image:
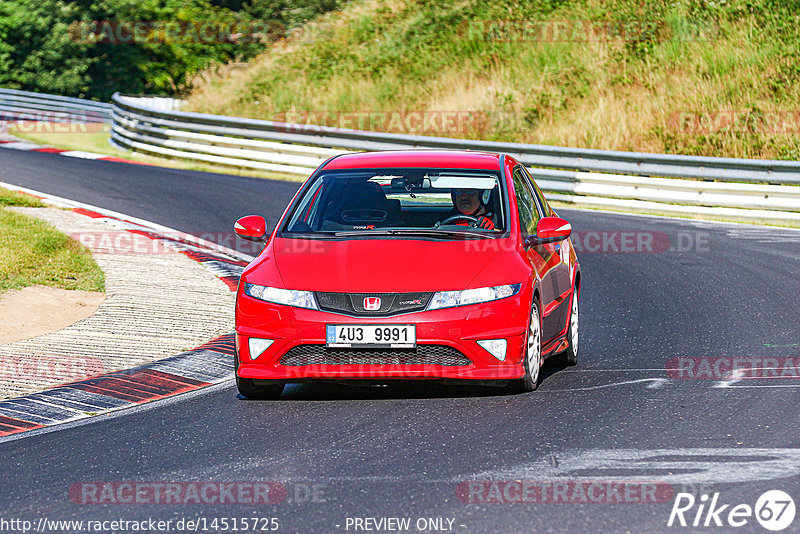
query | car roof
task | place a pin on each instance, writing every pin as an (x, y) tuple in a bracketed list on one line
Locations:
[(447, 159)]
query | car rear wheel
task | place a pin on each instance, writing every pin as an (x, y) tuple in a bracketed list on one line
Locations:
[(533, 350), (571, 354), (249, 390)]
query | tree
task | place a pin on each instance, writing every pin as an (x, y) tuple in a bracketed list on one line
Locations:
[(36, 50)]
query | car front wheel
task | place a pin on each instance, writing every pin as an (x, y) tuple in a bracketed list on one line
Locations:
[(249, 390), (533, 350), (571, 354)]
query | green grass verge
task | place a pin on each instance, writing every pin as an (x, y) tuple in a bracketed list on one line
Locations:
[(32, 252), (12, 198)]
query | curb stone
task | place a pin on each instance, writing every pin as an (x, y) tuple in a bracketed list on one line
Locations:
[(208, 364)]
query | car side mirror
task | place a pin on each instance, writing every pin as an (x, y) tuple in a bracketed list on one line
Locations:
[(251, 227), (550, 230)]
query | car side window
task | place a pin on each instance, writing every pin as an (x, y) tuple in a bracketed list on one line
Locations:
[(528, 214), (538, 192)]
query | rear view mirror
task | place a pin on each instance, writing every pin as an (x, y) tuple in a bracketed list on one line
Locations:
[(411, 185), (251, 227)]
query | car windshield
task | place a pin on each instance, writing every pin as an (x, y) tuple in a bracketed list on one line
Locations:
[(446, 203)]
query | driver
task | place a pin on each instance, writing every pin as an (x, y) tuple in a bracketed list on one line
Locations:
[(469, 202)]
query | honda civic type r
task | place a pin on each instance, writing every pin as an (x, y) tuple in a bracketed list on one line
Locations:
[(439, 265)]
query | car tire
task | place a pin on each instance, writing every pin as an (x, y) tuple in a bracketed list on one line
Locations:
[(249, 390), (532, 360), (571, 354)]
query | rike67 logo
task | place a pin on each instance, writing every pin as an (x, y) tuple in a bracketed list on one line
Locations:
[(774, 510)]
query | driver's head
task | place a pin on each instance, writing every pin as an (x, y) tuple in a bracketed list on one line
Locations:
[(467, 201)]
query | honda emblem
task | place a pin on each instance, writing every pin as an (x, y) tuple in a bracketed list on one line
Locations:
[(372, 303)]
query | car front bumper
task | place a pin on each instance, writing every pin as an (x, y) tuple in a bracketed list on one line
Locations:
[(458, 328)]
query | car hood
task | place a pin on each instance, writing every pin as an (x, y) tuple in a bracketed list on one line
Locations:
[(385, 265)]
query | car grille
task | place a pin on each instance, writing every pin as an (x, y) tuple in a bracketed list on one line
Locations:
[(390, 303), (422, 355)]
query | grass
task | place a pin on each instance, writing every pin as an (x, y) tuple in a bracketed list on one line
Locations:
[(33, 253), (700, 78), (98, 142), (12, 198)]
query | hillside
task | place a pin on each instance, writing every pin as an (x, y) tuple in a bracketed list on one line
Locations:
[(693, 77)]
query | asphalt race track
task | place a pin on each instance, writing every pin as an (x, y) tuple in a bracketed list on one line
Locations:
[(674, 291)]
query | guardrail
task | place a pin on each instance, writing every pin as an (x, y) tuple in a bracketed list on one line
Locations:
[(754, 189), (27, 106), (743, 188)]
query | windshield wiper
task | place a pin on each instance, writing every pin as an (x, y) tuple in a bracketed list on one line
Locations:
[(428, 232), (439, 231), (311, 235)]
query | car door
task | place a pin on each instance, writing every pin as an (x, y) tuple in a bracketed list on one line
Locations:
[(542, 258), (560, 273)]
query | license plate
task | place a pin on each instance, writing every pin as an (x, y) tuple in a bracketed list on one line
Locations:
[(371, 335)]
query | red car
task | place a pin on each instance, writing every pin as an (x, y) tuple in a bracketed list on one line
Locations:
[(446, 265)]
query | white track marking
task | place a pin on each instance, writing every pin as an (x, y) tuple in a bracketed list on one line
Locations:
[(634, 370), (739, 375), (147, 225), (761, 386), (82, 155), (21, 145), (652, 383), (686, 466), (736, 376)]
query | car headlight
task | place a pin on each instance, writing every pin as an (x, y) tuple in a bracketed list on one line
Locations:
[(287, 297), (449, 299)]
